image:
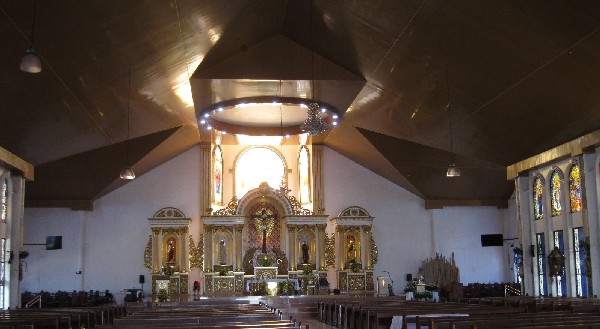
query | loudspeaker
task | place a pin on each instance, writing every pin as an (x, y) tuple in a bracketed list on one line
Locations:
[(142, 278), (409, 277), (532, 250)]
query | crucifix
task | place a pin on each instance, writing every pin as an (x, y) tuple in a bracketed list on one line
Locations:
[(264, 231)]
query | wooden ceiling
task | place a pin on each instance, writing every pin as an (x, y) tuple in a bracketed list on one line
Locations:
[(521, 77)]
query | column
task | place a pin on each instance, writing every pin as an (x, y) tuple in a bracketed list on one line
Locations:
[(208, 243), (184, 254), (367, 247), (292, 245), (317, 248), (363, 249), (16, 199), (340, 247), (156, 252), (205, 178), (317, 175), (321, 246), (238, 229)]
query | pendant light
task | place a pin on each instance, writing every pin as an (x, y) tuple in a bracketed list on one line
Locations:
[(127, 172), (314, 124), (31, 62), (452, 171)]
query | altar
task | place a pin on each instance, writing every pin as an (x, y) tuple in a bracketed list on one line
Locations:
[(266, 235)]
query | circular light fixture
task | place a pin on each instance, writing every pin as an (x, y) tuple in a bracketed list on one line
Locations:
[(264, 115)]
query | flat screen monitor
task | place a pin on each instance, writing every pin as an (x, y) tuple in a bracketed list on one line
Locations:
[(491, 240), (54, 242)]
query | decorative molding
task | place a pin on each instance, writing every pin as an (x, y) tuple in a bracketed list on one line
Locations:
[(169, 213), (330, 250), (265, 191), (374, 250), (197, 253), (230, 209), (148, 254), (354, 216)]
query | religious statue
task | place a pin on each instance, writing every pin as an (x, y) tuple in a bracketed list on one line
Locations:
[(305, 256), (171, 251), (222, 253)]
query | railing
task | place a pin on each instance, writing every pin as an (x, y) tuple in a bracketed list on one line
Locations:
[(37, 299), (511, 291)]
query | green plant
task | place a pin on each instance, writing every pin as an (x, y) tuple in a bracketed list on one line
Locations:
[(423, 294), (410, 287), (432, 287), (162, 295)]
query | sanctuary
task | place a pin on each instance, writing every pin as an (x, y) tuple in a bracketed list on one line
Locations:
[(268, 235)]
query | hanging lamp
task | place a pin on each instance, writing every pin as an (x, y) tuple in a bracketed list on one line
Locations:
[(452, 171), (127, 171), (314, 123), (31, 62)]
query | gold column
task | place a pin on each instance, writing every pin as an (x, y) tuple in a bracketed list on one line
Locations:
[(366, 250), (205, 178), (341, 247), (238, 246), (156, 252), (292, 255), (208, 243), (321, 246), (184, 254), (317, 175)]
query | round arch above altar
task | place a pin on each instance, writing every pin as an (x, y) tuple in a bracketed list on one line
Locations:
[(264, 192)]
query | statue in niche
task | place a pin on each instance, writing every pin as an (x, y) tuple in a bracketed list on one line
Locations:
[(305, 255), (351, 252), (171, 251), (222, 253)]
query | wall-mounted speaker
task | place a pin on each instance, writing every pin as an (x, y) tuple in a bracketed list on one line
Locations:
[(409, 277), (142, 278)]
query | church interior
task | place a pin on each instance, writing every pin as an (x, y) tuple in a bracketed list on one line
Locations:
[(207, 148)]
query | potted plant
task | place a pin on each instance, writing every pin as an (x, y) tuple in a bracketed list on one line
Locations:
[(410, 290)]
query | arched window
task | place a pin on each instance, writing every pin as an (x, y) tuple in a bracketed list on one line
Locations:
[(538, 205), (4, 200), (304, 174), (555, 192), (218, 175), (575, 188), (256, 165)]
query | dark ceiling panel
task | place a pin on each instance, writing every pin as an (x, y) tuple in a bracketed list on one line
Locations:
[(522, 78), (85, 175)]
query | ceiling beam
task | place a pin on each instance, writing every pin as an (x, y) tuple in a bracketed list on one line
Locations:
[(569, 149)]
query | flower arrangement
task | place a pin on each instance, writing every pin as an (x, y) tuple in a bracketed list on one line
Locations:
[(423, 294), (162, 295), (286, 288), (410, 287)]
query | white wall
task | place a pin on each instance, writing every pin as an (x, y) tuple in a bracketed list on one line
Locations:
[(107, 244), (112, 237), (406, 233)]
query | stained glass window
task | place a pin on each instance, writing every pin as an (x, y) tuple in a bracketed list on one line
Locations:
[(4, 208), (256, 165), (541, 264), (538, 205), (575, 188), (304, 173), (3, 286), (555, 192), (579, 253), (218, 175), (561, 280)]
